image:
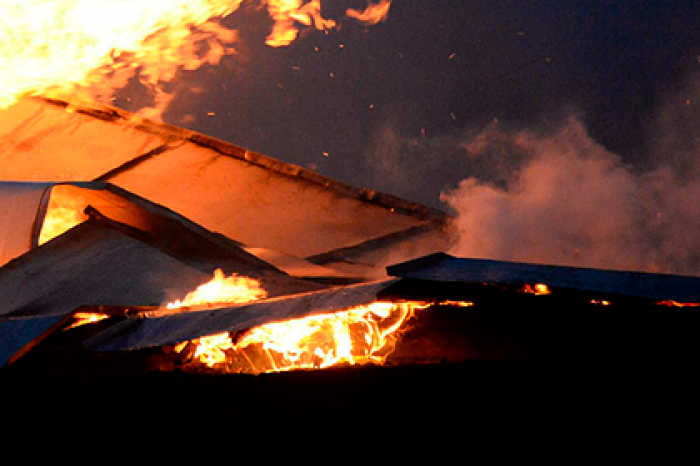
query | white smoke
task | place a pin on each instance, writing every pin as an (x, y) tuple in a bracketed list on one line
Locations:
[(572, 202), (552, 194)]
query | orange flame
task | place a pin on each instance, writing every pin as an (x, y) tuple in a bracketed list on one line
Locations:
[(538, 289), (84, 318), (286, 12), (55, 47), (62, 213), (355, 336), (374, 13), (91, 48), (222, 290), (360, 335), (672, 303)]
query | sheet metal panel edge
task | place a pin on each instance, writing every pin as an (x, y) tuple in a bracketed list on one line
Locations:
[(446, 268), (18, 333), (144, 332)]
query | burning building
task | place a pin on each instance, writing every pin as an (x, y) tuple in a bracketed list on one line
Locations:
[(135, 254), (110, 256)]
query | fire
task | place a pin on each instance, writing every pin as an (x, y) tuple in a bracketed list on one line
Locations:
[(360, 335), (538, 289), (456, 303), (84, 318), (672, 303), (92, 48), (62, 213), (374, 13), (55, 47), (287, 12), (222, 290)]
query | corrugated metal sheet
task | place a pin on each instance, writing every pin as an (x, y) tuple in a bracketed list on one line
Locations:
[(17, 334), (19, 208), (246, 196), (93, 264), (445, 268), (143, 331)]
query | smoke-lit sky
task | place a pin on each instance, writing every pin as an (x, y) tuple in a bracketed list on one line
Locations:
[(390, 106)]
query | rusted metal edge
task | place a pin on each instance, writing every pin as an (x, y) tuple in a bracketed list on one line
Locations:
[(171, 134)]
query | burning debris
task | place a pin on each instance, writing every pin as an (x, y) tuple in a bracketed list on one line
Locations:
[(89, 267), (361, 335), (113, 258)]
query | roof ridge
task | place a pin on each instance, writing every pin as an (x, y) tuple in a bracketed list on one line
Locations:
[(170, 134)]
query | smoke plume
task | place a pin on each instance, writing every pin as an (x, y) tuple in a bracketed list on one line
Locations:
[(552, 194), (570, 201)]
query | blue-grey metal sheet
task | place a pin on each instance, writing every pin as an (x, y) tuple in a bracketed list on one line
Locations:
[(16, 333), (158, 330), (445, 268)]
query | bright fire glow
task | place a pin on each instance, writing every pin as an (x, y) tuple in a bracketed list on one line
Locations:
[(51, 47), (91, 48), (288, 12), (84, 318), (360, 335), (223, 290), (374, 13), (62, 213), (672, 303), (538, 289), (355, 336)]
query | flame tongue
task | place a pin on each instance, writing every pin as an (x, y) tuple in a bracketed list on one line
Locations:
[(373, 14), (360, 335), (222, 290), (58, 45), (95, 47), (287, 12)]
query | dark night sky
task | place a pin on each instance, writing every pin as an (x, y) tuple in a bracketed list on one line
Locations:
[(437, 71)]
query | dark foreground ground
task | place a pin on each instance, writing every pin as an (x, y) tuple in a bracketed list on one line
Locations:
[(496, 385), (598, 411)]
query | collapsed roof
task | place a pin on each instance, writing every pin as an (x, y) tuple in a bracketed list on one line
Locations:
[(153, 210), (103, 209), (246, 196)]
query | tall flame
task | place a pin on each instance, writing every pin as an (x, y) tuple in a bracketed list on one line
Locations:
[(60, 45), (91, 48)]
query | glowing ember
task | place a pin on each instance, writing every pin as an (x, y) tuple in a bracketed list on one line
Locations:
[(84, 318), (538, 289), (677, 304), (223, 290), (456, 303)]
